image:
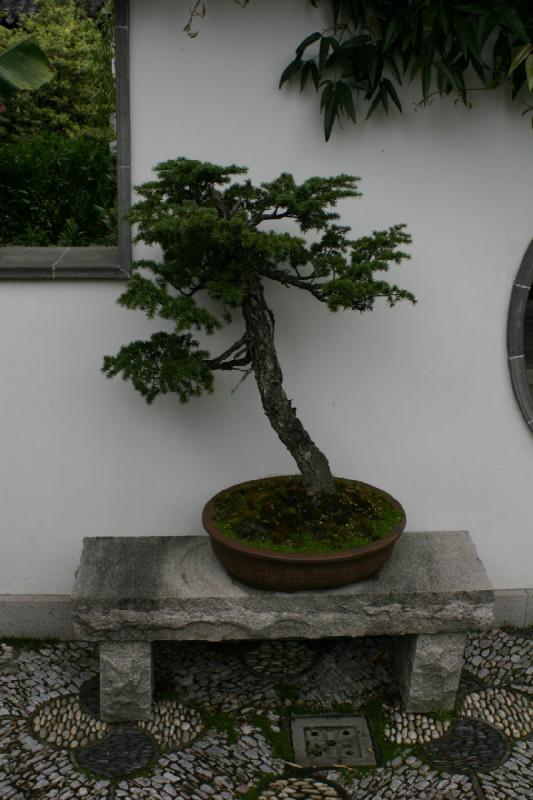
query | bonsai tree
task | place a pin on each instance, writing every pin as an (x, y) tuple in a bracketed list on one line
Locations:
[(217, 243)]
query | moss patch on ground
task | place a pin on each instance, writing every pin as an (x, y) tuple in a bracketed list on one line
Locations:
[(278, 514), (254, 792), (279, 741), (221, 722)]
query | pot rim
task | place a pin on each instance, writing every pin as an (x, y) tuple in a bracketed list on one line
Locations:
[(276, 555)]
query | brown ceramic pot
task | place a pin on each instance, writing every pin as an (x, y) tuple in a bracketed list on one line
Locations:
[(292, 572)]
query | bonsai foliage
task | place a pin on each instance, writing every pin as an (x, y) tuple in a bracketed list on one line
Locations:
[(217, 244), (373, 46)]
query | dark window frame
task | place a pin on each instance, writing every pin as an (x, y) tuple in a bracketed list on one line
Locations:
[(515, 335), (94, 263)]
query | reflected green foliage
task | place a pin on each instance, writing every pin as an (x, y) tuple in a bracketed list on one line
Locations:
[(57, 170), (57, 191), (79, 100)]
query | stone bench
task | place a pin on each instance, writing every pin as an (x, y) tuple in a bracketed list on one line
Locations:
[(130, 592)]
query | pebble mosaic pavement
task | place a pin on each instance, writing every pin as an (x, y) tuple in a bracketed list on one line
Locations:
[(222, 714)]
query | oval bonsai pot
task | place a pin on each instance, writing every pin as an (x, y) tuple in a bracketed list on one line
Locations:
[(292, 572)]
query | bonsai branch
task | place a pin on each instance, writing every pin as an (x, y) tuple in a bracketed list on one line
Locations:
[(258, 218), (291, 280), (236, 364), (239, 350), (219, 204), (191, 292)]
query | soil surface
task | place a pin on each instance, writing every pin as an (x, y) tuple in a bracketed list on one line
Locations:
[(278, 514)]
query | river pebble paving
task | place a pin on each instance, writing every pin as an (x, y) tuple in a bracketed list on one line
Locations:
[(221, 717), (403, 728), (501, 658)]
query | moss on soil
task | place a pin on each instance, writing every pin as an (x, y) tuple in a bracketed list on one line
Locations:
[(277, 514)]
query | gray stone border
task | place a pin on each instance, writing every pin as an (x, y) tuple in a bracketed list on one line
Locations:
[(122, 72), (515, 335), (36, 616), (514, 607), (89, 266)]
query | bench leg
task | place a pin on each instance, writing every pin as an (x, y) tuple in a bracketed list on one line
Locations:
[(428, 667), (125, 681)]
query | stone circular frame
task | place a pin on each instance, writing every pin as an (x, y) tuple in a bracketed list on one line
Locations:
[(515, 335)]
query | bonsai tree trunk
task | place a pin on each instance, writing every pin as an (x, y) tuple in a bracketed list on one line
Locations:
[(312, 463)]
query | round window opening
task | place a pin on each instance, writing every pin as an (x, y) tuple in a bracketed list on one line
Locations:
[(520, 336)]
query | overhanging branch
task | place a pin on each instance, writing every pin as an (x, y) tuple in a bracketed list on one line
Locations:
[(292, 280), (276, 214)]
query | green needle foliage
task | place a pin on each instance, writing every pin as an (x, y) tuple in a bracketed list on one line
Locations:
[(373, 46), (217, 245)]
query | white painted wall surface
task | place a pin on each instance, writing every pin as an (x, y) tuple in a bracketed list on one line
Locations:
[(416, 399)]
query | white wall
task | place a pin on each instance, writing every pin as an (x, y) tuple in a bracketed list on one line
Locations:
[(416, 400)]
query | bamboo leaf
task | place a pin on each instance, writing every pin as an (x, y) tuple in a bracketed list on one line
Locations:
[(304, 74), (337, 6), (326, 94), (442, 84), (391, 34), (391, 63), (374, 104), (313, 37), (315, 75), (501, 57), (529, 72), (290, 70), (462, 33), (480, 72), (443, 18), (384, 98), (417, 65), (330, 113), (443, 69), (521, 54), (390, 89), (510, 18), (346, 100), (323, 53)]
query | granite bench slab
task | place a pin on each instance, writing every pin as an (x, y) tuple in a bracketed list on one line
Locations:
[(130, 591)]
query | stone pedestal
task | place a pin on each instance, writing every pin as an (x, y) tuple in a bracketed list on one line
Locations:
[(125, 681), (130, 592), (428, 667)]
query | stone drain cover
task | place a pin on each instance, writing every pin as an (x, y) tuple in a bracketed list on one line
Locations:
[(331, 740)]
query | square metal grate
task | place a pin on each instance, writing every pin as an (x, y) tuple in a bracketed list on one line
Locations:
[(332, 740)]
